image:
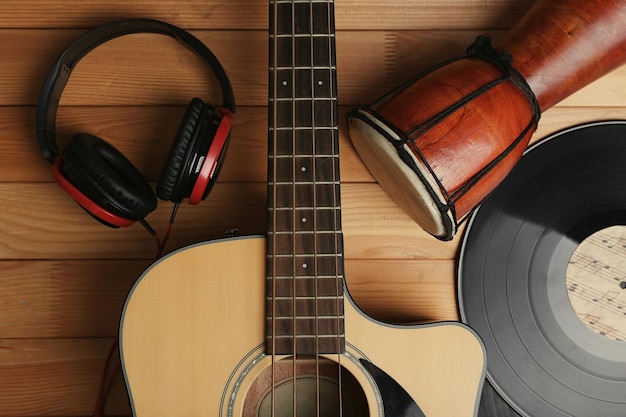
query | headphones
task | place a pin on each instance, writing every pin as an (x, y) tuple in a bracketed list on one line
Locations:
[(99, 177)]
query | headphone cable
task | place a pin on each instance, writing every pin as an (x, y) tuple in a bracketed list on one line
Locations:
[(161, 243), (109, 376)]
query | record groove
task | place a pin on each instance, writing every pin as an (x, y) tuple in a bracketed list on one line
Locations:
[(541, 358)]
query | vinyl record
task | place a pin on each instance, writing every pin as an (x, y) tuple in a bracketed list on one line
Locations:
[(548, 356), (492, 404)]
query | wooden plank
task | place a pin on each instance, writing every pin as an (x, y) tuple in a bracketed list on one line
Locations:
[(252, 14), (145, 134), (127, 72), (65, 299), (55, 377), (57, 228), (84, 298), (561, 117), (407, 291)]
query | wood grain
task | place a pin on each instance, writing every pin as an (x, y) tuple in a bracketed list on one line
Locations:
[(252, 14), (64, 277), (57, 228), (125, 72), (561, 47), (44, 299), (145, 133), (55, 377)]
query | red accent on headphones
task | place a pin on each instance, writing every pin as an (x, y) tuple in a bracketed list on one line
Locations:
[(85, 201), (209, 165)]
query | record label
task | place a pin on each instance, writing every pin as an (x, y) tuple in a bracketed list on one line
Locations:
[(596, 282), (527, 284)]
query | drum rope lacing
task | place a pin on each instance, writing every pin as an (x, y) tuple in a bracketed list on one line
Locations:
[(482, 49)]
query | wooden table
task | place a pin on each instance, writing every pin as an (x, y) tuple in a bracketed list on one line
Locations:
[(64, 277)]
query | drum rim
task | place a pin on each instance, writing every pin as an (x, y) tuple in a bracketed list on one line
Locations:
[(435, 217)]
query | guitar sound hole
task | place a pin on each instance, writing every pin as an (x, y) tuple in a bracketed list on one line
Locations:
[(316, 391)]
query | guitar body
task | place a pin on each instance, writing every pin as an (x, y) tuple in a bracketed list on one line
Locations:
[(263, 327), (192, 342)]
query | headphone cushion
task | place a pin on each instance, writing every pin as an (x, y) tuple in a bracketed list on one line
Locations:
[(170, 181), (107, 177)]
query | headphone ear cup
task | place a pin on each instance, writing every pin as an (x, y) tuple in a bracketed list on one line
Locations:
[(106, 177), (173, 180)]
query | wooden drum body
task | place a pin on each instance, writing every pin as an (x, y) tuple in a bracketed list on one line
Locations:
[(440, 143), (419, 150)]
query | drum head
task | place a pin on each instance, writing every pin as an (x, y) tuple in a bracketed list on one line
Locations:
[(549, 355), (415, 191)]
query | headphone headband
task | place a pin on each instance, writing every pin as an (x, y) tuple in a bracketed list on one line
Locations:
[(60, 71)]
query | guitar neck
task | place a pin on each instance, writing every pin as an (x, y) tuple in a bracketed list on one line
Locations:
[(305, 260)]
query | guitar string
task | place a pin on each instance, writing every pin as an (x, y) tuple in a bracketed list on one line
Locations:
[(315, 199), (334, 182), (273, 237), (315, 212), (294, 219), (293, 203), (339, 270)]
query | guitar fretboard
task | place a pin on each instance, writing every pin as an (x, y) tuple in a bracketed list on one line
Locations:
[(305, 262)]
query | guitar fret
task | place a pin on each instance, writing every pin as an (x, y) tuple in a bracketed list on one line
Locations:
[(288, 286), (290, 157), (303, 113), (304, 208), (288, 2), (304, 307), (313, 347), (305, 277), (306, 317), (305, 183), (306, 336), (305, 346), (325, 278), (302, 17), (305, 267), (301, 35), (315, 128), (318, 277), (319, 256), (306, 232), (300, 99), (308, 68), (305, 260), (304, 297), (301, 208), (315, 255), (287, 277)]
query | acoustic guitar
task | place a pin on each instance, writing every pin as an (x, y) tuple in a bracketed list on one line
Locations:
[(263, 326)]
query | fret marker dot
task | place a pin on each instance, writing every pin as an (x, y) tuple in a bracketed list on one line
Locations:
[(320, 82), (303, 220), (285, 82), (305, 266), (303, 169)]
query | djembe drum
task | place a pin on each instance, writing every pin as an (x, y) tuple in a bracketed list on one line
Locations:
[(441, 142)]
